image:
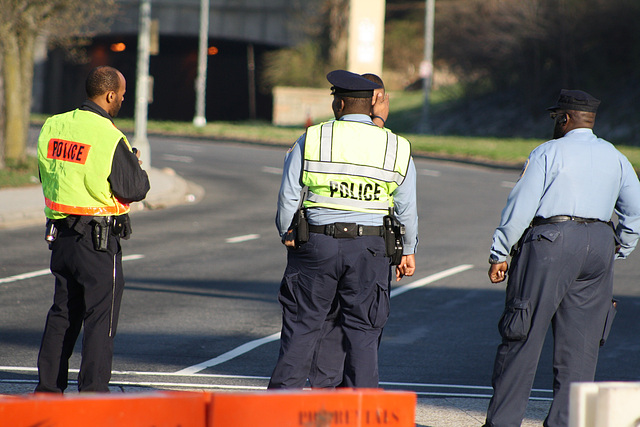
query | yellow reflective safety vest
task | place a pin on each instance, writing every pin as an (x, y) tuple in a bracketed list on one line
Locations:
[(75, 155), (353, 166)]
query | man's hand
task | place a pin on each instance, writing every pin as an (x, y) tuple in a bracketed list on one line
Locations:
[(498, 272), (406, 267), (137, 153), (380, 107), (289, 239)]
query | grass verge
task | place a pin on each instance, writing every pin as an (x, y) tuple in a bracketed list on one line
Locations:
[(406, 112), (20, 174)]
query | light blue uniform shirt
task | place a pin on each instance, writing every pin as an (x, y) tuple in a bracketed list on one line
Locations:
[(578, 175), (404, 197)]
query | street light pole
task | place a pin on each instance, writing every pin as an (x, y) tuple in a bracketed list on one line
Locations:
[(426, 68), (199, 119), (142, 84)]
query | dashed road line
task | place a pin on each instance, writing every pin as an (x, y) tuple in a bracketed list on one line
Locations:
[(46, 271)]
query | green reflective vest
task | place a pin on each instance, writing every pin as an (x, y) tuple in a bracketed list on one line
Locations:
[(353, 166), (75, 154)]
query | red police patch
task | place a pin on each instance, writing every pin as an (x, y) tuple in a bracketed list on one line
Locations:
[(68, 151)]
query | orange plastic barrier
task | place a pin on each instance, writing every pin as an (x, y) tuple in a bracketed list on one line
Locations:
[(316, 408), (158, 409)]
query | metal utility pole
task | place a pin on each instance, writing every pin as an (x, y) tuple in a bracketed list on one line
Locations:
[(426, 68), (142, 84), (199, 119)]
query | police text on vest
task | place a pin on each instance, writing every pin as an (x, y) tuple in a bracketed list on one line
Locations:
[(68, 151)]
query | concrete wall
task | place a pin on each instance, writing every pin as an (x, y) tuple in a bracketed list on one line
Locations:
[(274, 22), (294, 106)]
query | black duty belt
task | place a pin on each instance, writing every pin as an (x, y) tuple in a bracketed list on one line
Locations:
[(347, 230), (562, 218)]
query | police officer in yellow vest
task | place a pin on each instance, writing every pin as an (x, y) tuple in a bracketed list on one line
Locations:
[(353, 173), (89, 175)]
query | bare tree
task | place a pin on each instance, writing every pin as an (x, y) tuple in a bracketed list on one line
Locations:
[(538, 44), (337, 12), (1, 116), (323, 47), (21, 22)]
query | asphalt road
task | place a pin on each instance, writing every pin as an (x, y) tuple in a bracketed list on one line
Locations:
[(200, 307)]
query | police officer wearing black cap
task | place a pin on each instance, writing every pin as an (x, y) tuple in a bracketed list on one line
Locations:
[(557, 226), (353, 172)]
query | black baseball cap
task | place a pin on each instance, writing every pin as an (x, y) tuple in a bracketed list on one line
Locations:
[(576, 100)]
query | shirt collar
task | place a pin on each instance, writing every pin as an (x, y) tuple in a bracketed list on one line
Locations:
[(89, 105), (362, 118), (579, 130)]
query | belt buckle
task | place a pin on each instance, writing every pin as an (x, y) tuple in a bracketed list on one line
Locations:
[(330, 230)]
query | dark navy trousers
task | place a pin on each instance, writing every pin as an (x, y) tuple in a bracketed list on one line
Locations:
[(345, 278), (327, 367), (563, 276), (88, 291)]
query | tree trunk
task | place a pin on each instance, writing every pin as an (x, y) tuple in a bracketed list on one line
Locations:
[(1, 115), (338, 32), (27, 64), (18, 74), (13, 87)]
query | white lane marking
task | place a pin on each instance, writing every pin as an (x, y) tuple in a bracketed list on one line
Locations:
[(272, 170), (430, 279), (190, 386), (174, 158), (157, 384), (25, 276), (454, 386), (244, 348), (44, 272), (507, 184), (464, 395), (192, 148), (256, 343), (244, 238), (142, 373), (429, 172), (411, 386)]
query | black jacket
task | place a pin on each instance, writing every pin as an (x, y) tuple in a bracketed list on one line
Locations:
[(129, 182)]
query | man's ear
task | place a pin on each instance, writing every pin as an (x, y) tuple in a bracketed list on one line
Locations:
[(111, 96), (563, 120)]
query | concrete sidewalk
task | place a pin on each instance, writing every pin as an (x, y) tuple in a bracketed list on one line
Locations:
[(24, 206)]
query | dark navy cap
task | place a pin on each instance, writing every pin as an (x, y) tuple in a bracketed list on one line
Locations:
[(351, 85), (575, 100)]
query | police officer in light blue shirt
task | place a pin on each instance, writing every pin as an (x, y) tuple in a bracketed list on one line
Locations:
[(290, 188), (557, 224), (342, 268)]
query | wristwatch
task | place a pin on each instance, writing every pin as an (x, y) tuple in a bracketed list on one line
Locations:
[(493, 259)]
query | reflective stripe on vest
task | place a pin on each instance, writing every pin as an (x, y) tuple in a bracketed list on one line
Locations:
[(387, 174), (364, 185), (118, 209)]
